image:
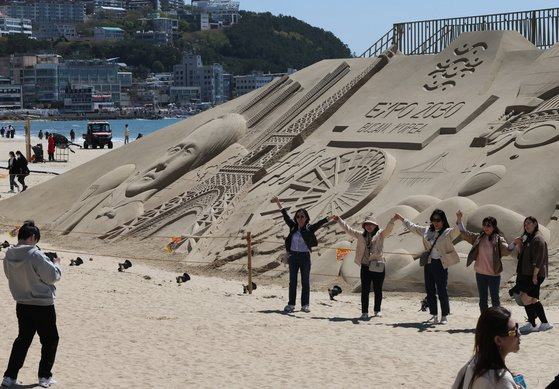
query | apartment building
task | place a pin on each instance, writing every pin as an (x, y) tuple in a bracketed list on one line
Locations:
[(46, 12), (9, 25), (192, 72), (220, 13)]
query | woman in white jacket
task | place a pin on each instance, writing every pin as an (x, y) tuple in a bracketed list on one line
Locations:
[(497, 335), (437, 241), (369, 256)]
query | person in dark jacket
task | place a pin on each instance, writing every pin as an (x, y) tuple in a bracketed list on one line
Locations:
[(299, 244), (72, 135), (531, 272), (22, 169), (40, 134), (13, 171)]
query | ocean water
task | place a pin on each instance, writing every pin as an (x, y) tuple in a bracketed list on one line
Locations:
[(136, 126)]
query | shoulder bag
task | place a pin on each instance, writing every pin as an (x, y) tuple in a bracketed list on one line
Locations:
[(424, 257)]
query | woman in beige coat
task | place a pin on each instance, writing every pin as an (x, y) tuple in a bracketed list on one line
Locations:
[(369, 256), (437, 241)]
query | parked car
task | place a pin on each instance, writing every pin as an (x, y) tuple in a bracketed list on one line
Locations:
[(98, 134)]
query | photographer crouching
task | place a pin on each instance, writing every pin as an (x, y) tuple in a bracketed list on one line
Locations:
[(31, 276)]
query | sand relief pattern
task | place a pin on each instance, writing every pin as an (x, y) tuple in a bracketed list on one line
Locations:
[(339, 185), (526, 130), (232, 179), (463, 62)]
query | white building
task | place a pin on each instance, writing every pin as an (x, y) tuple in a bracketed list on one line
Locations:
[(10, 95), (10, 25), (222, 13)]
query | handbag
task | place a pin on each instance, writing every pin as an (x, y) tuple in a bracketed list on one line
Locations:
[(424, 257), (376, 266)]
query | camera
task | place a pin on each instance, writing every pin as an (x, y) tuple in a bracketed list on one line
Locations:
[(51, 255)]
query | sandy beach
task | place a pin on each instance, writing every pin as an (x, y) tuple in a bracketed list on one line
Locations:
[(140, 329), (41, 172)]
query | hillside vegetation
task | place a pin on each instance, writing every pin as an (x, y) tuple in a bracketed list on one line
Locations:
[(260, 41)]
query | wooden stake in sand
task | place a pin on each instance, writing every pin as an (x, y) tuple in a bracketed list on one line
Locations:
[(27, 139), (249, 248)]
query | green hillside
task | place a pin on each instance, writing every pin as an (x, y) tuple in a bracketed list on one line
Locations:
[(260, 41)]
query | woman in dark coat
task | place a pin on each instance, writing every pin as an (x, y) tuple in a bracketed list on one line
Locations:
[(22, 169), (13, 171), (299, 245), (531, 272)]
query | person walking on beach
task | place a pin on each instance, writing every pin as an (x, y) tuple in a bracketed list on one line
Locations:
[(531, 272), (40, 135), (2, 131), (369, 257), (51, 147), (126, 134), (13, 171), (72, 135), (440, 254), (22, 169), (31, 277), (299, 244), (488, 247), (497, 335), (12, 131)]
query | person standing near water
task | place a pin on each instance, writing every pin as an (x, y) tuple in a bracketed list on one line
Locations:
[(126, 134)]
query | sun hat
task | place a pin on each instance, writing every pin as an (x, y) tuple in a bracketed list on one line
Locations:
[(369, 220)]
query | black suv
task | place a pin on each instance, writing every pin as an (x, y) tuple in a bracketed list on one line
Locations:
[(98, 134)]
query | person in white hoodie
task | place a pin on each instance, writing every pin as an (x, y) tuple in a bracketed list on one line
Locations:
[(31, 276)]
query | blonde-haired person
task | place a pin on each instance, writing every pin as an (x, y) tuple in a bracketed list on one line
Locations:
[(488, 247), (437, 240), (369, 256)]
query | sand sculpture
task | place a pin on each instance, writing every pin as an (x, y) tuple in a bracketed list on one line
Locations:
[(473, 128)]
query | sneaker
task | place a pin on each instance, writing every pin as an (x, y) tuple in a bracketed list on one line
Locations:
[(364, 316), (289, 308), (8, 382), (433, 320), (545, 326), (444, 320), (527, 328), (45, 382), (305, 308), (378, 314)]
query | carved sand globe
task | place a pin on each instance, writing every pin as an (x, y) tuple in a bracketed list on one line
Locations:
[(340, 184)]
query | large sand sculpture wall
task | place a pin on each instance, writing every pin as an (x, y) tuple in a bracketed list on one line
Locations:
[(473, 128)]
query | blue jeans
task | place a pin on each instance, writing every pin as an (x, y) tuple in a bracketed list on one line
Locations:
[(484, 283), (299, 260), (436, 282)]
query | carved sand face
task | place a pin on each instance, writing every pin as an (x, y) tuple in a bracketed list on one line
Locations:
[(199, 147)]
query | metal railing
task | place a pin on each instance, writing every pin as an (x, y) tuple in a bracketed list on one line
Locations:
[(541, 27)]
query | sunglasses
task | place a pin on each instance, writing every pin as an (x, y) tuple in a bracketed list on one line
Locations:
[(436, 220), (514, 331), (487, 225), (300, 216)]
